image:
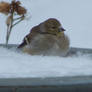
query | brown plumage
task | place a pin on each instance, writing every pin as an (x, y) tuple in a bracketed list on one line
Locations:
[(47, 38)]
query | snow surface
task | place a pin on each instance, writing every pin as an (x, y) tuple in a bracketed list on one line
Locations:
[(16, 64), (76, 18)]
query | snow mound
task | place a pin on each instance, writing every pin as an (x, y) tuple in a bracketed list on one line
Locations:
[(16, 64)]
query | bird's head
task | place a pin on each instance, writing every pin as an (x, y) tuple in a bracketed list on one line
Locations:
[(53, 26)]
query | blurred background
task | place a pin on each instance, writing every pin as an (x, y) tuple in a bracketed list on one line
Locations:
[(74, 15)]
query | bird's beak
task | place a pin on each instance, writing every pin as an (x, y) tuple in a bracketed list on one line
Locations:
[(62, 29)]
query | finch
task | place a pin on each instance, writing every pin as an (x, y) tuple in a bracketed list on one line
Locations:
[(47, 38)]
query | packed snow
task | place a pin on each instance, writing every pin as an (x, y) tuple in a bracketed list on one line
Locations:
[(76, 18), (17, 64)]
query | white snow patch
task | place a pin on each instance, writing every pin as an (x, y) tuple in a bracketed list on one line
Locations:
[(16, 64)]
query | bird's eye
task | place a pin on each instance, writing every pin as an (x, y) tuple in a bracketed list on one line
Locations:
[(53, 27)]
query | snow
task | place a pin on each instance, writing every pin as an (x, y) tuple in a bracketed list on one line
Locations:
[(76, 18), (16, 64)]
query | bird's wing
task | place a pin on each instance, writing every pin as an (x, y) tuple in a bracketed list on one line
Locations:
[(27, 39)]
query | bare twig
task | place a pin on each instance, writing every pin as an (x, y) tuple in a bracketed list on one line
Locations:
[(17, 22), (21, 17), (10, 27), (7, 34), (11, 9)]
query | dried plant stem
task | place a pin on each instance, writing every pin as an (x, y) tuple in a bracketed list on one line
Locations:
[(19, 20), (15, 8), (9, 28), (7, 35)]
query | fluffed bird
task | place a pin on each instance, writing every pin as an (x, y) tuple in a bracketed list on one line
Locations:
[(47, 38)]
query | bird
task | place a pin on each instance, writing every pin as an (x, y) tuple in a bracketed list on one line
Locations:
[(47, 38)]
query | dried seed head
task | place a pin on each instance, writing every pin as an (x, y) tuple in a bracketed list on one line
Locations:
[(21, 10), (18, 2), (4, 8), (17, 8), (7, 8)]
